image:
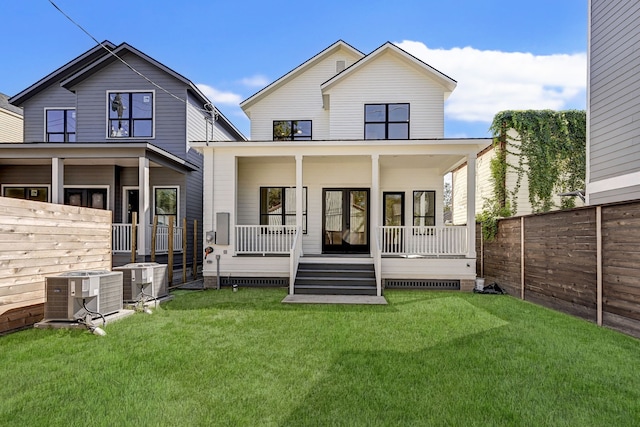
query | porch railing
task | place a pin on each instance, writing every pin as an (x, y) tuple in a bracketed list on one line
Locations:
[(294, 258), (430, 241), (377, 263), (121, 240), (265, 239)]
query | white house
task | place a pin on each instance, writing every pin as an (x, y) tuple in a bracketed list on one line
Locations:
[(342, 177)]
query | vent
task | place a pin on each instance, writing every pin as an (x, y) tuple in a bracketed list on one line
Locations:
[(273, 282), (340, 66), (422, 284)]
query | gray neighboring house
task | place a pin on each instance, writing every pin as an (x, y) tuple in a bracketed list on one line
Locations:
[(613, 106), (97, 134)]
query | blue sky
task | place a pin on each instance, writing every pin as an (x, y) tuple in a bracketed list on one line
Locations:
[(503, 54)]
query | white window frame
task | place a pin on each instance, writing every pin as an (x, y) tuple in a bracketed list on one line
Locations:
[(126, 188)]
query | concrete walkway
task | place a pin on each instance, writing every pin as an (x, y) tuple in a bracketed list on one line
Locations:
[(334, 299)]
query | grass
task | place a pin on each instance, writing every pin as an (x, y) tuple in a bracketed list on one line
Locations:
[(223, 358)]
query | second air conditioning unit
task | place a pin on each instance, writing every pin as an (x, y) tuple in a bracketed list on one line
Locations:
[(144, 280)]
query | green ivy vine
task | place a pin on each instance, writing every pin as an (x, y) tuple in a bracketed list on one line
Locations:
[(549, 148)]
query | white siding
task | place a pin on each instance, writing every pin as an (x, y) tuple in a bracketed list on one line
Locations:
[(10, 127), (387, 79), (298, 99)]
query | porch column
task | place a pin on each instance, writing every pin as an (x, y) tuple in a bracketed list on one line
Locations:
[(471, 205), (374, 209), (299, 194), (144, 209), (57, 180)]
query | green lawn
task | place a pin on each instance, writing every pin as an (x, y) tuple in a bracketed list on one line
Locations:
[(224, 358)]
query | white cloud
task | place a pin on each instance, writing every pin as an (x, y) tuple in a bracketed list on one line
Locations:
[(491, 81), (257, 81), (220, 97)]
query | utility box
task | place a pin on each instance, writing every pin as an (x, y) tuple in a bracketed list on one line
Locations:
[(222, 228), (142, 279)]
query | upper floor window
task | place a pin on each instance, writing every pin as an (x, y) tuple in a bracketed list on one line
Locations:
[(130, 114), (292, 130), (61, 124), (386, 121)]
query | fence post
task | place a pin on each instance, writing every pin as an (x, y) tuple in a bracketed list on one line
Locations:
[(522, 257), (170, 256), (195, 249), (134, 235), (599, 264), (154, 233), (184, 250)]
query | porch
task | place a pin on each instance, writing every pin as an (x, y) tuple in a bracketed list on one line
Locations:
[(121, 240)]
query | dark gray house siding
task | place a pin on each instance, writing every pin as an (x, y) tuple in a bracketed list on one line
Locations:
[(614, 130)]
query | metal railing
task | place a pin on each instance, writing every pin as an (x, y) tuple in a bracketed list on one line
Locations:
[(121, 238), (431, 241), (264, 239)]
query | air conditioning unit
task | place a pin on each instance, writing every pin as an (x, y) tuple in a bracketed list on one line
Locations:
[(143, 279), (67, 295)]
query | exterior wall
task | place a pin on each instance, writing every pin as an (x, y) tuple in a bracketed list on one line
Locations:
[(298, 99), (34, 111), (484, 187), (386, 79), (11, 126), (444, 269), (613, 149), (169, 117)]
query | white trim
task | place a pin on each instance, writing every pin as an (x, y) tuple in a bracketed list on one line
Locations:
[(614, 183), (153, 116), (85, 187), (48, 186), (44, 122), (588, 118), (126, 188)]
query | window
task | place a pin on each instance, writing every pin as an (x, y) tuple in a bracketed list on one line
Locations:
[(61, 125), (278, 206), (386, 121), (40, 194), (292, 130), (95, 198), (130, 114), (393, 208), (165, 202), (424, 208)]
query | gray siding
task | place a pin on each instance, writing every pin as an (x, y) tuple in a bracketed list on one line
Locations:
[(34, 119), (614, 83), (627, 193), (169, 113), (37, 174)]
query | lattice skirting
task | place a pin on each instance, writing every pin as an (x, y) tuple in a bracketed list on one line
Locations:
[(422, 284)]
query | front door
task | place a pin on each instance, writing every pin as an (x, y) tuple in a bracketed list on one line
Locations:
[(131, 200), (345, 223)]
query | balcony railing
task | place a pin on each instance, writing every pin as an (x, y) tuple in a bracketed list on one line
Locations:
[(264, 239), (427, 241), (121, 241)]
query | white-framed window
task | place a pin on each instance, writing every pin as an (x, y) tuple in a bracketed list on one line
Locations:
[(87, 196), (166, 203), (37, 192), (130, 114), (60, 124)]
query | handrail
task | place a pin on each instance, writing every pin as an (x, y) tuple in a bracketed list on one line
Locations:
[(264, 239), (294, 259), (377, 263), (121, 238)]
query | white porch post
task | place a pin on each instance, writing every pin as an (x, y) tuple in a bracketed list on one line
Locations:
[(374, 210), (144, 209), (57, 180), (299, 195), (471, 205)]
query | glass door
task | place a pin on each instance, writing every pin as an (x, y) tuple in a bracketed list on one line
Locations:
[(393, 217), (346, 221)]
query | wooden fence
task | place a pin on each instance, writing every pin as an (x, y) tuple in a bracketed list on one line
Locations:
[(584, 261), (44, 239)]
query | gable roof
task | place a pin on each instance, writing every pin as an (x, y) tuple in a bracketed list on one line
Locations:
[(299, 70), (445, 81), (70, 67), (4, 104)]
